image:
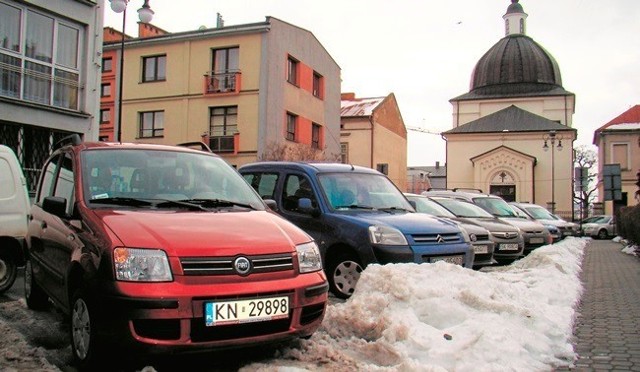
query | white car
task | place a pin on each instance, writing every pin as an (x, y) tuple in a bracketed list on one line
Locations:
[(600, 226)]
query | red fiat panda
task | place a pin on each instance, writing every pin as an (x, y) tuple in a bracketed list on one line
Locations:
[(165, 248)]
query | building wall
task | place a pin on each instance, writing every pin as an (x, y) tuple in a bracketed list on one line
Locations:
[(606, 155), (559, 108), (462, 148), (356, 133), (390, 141), (284, 40)]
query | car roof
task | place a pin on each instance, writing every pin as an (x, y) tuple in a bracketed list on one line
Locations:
[(460, 194), (136, 146), (311, 168)]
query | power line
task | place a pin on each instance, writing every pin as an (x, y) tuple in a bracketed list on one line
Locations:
[(422, 130)]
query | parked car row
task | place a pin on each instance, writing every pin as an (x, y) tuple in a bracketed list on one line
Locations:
[(152, 247)]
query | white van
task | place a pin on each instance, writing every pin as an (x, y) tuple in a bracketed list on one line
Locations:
[(14, 214)]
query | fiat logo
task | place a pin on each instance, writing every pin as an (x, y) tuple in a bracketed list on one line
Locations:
[(242, 265)]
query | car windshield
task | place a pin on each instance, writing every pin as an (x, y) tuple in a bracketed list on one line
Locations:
[(597, 219), (463, 209), (496, 206), (362, 191), (520, 212), (163, 179), (539, 213), (425, 205)]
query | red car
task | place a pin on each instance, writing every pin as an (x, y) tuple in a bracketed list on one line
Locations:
[(165, 248)]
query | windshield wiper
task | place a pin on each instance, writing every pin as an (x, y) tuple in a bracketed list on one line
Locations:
[(134, 202), (392, 209), (213, 203), (354, 206)]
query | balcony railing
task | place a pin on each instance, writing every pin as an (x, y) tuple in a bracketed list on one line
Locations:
[(222, 143), (222, 82)]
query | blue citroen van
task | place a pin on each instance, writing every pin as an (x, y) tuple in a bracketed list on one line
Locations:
[(357, 216)]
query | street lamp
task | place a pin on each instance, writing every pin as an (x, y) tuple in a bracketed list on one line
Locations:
[(550, 142), (145, 14)]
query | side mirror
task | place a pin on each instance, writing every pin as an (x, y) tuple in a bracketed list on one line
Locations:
[(271, 204), (55, 205), (413, 204), (305, 206)]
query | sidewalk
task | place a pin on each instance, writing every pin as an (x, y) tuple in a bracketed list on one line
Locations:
[(607, 330)]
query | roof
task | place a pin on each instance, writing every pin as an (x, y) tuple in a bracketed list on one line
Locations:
[(439, 171), (307, 167), (628, 120), (515, 7), (516, 66), (510, 119), (360, 106)]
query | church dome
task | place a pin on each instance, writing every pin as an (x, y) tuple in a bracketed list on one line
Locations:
[(518, 65)]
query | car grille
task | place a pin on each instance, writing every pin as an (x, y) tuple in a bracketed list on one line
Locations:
[(436, 238), (201, 333), (505, 234), (482, 237), (224, 265)]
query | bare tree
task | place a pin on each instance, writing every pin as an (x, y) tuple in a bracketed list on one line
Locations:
[(586, 157), (295, 152)]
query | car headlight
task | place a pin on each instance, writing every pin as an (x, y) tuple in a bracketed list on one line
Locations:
[(386, 235), (466, 236), (141, 265), (552, 229), (309, 259)]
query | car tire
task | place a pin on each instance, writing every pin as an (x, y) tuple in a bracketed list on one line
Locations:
[(33, 294), (86, 345), (8, 270), (343, 272), (603, 234)]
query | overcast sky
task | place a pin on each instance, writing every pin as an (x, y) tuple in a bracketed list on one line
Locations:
[(424, 51)]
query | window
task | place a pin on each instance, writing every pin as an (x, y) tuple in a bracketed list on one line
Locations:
[(39, 57), (154, 68), (107, 64), (64, 182), (317, 85), (223, 125), (292, 71), (297, 187), (46, 184), (223, 75), (263, 183), (344, 153), (383, 168), (291, 127), (315, 135), (105, 90), (151, 124), (105, 115)]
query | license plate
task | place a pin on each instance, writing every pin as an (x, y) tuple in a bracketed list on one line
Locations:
[(567, 233), (478, 249), (536, 240), (509, 247), (457, 260), (246, 311)]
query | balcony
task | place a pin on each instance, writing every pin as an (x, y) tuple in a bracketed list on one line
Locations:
[(222, 82), (224, 144)]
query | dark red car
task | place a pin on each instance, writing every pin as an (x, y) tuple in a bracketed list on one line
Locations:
[(165, 249)]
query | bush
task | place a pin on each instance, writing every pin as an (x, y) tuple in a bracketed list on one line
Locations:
[(627, 222)]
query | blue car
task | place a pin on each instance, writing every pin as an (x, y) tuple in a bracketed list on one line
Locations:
[(357, 216)]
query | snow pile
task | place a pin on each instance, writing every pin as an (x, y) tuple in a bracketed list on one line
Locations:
[(17, 355), (440, 317), (627, 248)]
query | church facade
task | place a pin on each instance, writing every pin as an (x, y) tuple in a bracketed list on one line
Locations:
[(512, 132)]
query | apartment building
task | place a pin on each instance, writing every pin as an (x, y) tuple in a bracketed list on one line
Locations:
[(49, 75), (246, 90)]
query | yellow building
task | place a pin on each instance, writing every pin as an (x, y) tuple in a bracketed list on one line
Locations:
[(373, 135), (618, 142), (512, 132), (245, 90)]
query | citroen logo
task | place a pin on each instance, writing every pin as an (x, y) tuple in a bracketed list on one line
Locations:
[(242, 265), (439, 239)]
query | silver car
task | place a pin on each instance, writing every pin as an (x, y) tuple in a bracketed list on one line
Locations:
[(600, 226)]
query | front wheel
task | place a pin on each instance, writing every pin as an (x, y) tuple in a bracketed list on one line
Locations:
[(34, 295), (343, 272), (603, 234), (85, 342), (8, 270)]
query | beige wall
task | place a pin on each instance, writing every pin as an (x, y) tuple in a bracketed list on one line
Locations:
[(553, 108), (534, 187), (606, 155)]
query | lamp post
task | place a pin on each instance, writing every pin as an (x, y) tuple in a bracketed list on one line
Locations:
[(550, 140), (145, 14)]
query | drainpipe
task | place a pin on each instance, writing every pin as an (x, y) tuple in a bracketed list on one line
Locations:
[(372, 126)]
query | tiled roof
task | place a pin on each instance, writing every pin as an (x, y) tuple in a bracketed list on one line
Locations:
[(628, 120), (510, 119)]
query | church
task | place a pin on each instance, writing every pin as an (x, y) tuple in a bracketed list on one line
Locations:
[(512, 132)]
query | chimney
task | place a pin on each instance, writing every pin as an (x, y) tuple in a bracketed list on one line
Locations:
[(437, 165), (348, 96), (219, 21)]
